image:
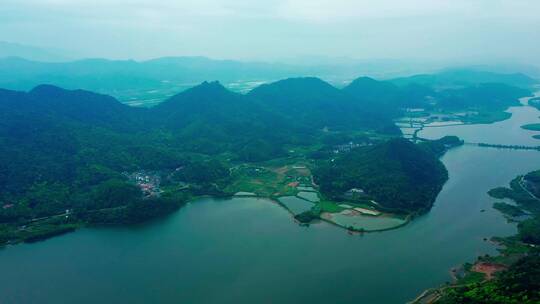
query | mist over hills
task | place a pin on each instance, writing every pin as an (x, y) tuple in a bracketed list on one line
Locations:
[(103, 74), (9, 49), (147, 83), (452, 78)]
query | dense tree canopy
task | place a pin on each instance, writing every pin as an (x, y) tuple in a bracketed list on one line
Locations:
[(398, 174)]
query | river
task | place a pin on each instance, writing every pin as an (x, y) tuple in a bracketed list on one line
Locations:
[(249, 250)]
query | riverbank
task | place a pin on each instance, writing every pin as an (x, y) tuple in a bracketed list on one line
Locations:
[(479, 282), (420, 121), (509, 136), (288, 181), (249, 241), (306, 204), (412, 126)]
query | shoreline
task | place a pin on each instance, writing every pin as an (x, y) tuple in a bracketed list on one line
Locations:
[(407, 220)]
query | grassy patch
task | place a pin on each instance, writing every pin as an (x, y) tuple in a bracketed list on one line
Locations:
[(508, 209), (270, 181), (486, 117), (328, 206)]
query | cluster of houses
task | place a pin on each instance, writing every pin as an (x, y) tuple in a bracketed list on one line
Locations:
[(353, 193), (148, 182), (343, 148)]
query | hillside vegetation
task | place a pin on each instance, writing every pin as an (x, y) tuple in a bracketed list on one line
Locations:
[(399, 175), (72, 156)]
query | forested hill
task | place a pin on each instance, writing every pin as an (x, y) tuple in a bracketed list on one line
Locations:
[(51, 134), (211, 119), (318, 104), (370, 89), (380, 95), (487, 96), (80, 106), (416, 92), (48, 133), (212, 104), (397, 174)]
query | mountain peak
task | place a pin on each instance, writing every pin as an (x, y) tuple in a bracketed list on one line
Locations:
[(47, 90), (367, 85), (205, 93), (54, 96), (300, 86), (212, 84), (363, 79), (302, 81), (207, 88)]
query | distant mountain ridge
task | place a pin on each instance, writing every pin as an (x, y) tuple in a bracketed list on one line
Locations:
[(453, 78), (153, 81), (8, 49), (107, 75)]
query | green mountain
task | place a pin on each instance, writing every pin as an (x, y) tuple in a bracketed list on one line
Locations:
[(49, 133), (487, 96), (399, 175), (211, 119), (317, 104), (116, 76), (383, 96), (426, 91), (74, 149), (370, 89), (387, 97)]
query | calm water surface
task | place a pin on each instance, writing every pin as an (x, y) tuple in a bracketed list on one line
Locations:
[(248, 250), (507, 132)]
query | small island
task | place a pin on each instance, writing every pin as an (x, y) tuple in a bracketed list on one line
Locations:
[(532, 127), (535, 102)]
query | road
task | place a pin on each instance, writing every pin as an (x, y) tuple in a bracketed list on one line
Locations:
[(69, 212), (527, 190)]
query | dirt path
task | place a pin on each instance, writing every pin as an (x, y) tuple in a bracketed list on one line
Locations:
[(68, 213), (433, 294), (527, 190)]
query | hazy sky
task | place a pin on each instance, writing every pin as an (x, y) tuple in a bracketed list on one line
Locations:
[(272, 29)]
